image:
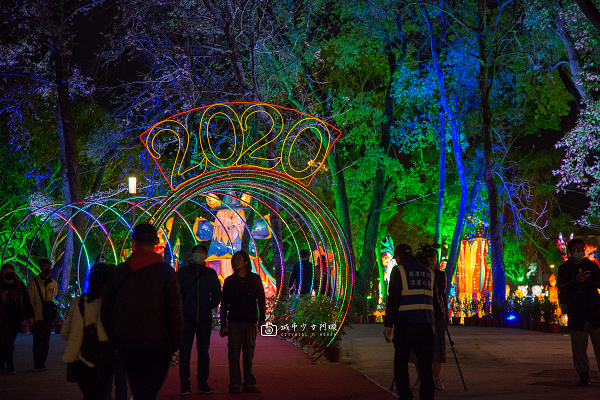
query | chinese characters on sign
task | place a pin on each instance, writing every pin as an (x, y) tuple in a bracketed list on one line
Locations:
[(300, 329)]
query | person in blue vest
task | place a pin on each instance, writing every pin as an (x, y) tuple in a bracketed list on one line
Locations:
[(410, 311)]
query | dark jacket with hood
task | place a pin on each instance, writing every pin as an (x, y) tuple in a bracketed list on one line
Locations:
[(14, 300), (200, 292), (141, 308)]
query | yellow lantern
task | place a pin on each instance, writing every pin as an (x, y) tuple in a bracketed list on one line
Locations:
[(213, 200)]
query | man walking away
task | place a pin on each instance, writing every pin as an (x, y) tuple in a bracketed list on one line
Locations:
[(304, 269), (142, 314), (578, 282), (41, 289), (200, 293), (243, 305), (410, 310)]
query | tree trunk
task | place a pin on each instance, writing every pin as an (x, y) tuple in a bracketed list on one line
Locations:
[(339, 181), (439, 215), (368, 256), (485, 86), (591, 12), (457, 150), (341, 197), (70, 166), (250, 218), (574, 62)]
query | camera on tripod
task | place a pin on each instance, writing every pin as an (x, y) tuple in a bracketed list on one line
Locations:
[(425, 251)]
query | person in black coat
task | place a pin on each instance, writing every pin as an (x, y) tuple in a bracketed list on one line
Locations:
[(243, 310), (15, 308), (578, 283)]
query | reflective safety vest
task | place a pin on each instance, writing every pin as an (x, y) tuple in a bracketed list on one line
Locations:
[(416, 304)]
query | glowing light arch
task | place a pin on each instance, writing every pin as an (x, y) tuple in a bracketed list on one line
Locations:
[(295, 200)]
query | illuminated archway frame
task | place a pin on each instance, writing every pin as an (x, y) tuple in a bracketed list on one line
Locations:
[(317, 223)]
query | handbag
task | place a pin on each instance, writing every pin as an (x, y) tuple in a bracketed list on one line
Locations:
[(92, 348), (49, 308)]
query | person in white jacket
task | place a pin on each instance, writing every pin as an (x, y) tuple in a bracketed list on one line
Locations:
[(41, 329), (95, 381)]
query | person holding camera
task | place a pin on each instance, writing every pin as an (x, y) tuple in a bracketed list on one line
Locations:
[(43, 289), (242, 307), (200, 293), (578, 283), (410, 311)]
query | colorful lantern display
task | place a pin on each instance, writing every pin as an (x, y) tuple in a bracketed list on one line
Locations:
[(473, 275), (225, 234)]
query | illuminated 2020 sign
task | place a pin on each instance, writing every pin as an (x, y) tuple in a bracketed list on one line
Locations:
[(189, 144)]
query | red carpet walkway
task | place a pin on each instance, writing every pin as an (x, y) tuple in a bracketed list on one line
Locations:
[(283, 372)]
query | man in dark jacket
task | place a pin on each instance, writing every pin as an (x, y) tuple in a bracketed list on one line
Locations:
[(242, 306), (142, 314), (578, 282), (410, 310), (200, 293), (302, 269), (15, 307)]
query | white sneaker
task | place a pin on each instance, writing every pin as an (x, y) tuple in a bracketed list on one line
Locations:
[(438, 384)]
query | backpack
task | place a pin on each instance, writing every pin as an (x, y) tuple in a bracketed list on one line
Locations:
[(92, 349), (49, 308)]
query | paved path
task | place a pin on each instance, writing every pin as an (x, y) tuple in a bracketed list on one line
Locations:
[(497, 363)]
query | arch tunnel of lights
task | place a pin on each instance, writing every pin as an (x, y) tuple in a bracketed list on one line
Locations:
[(306, 222)]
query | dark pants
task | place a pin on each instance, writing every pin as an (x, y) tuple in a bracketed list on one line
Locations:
[(41, 331), (146, 370), (120, 378), (242, 337), (95, 383), (7, 348), (202, 332), (420, 338), (579, 345)]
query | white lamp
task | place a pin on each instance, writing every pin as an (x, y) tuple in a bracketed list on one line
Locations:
[(132, 185)]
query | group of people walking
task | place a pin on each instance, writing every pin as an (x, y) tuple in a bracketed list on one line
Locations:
[(135, 316)]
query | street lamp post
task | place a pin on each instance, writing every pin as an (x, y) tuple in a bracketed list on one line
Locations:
[(132, 192)]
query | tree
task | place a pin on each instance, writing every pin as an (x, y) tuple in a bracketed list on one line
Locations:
[(40, 46)]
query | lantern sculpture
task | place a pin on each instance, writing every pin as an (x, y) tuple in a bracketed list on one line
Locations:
[(474, 274), (386, 262), (552, 289), (225, 234)]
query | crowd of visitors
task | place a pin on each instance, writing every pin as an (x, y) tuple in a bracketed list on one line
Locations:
[(127, 329), (135, 317)]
